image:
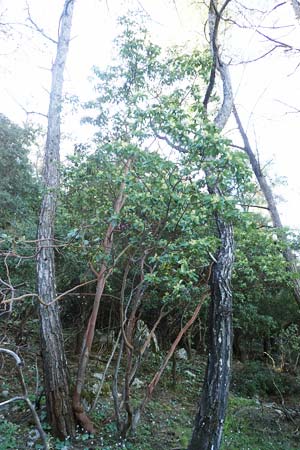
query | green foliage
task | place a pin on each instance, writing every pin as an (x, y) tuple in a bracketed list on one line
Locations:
[(156, 94), (8, 435), (163, 217), (289, 343), (255, 378), (19, 202), (18, 188), (147, 104), (250, 426), (261, 283)]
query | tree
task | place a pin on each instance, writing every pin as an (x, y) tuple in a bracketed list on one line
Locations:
[(157, 258), (18, 187), (102, 275), (179, 118), (210, 418), (59, 407), (272, 207), (19, 200)]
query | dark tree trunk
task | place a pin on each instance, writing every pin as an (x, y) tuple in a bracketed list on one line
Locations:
[(212, 406), (211, 414), (59, 407)]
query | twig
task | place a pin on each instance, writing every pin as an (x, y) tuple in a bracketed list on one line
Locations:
[(105, 372)]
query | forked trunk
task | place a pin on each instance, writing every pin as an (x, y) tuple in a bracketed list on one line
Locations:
[(211, 414), (102, 276), (59, 407)]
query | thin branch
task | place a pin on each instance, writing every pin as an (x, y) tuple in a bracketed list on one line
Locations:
[(170, 143), (105, 372), (277, 42), (37, 28), (257, 58)]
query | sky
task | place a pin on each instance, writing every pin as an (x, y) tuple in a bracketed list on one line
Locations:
[(265, 91)]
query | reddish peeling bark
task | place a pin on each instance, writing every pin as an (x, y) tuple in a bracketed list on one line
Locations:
[(102, 276)]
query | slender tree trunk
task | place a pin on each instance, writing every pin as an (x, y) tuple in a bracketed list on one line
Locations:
[(209, 422), (59, 406), (104, 272), (271, 202)]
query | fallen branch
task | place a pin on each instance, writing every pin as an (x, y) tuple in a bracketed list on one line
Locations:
[(24, 397)]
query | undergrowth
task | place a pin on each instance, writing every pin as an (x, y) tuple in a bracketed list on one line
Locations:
[(251, 423)]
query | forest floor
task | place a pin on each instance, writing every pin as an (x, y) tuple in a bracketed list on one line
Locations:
[(268, 420)]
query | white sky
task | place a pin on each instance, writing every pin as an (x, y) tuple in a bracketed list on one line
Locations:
[(25, 59)]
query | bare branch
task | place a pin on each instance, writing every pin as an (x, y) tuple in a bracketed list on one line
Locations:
[(258, 57), (25, 397), (288, 47), (37, 28)]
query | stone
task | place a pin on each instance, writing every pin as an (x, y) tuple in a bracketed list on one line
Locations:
[(182, 354), (99, 376), (137, 383)]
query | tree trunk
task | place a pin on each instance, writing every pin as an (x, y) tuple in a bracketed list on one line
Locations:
[(102, 276), (296, 7), (59, 407), (271, 202), (209, 421)]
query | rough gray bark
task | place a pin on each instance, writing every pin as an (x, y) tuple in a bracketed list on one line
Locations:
[(209, 422), (271, 202), (59, 407), (296, 7)]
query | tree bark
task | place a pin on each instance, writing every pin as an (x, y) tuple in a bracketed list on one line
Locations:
[(104, 272), (209, 422), (296, 8), (59, 407), (271, 202)]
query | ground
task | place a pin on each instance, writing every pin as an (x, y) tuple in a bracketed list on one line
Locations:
[(264, 422)]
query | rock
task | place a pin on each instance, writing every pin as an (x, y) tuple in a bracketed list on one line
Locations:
[(137, 383), (99, 376), (182, 354), (190, 374), (95, 388), (34, 434), (5, 393)]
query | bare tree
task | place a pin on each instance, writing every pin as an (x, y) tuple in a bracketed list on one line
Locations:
[(59, 406), (272, 206)]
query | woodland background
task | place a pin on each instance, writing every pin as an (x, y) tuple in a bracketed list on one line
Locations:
[(149, 292)]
